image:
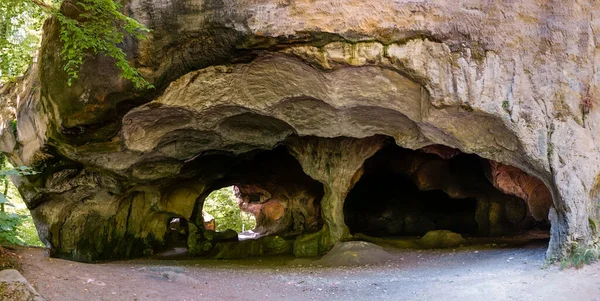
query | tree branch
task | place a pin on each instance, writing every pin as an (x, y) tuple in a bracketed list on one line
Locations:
[(45, 6)]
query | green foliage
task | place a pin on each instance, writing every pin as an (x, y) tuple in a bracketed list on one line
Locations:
[(505, 105), (20, 31), (581, 255), (13, 126), (99, 28), (26, 231), (16, 224), (222, 204), (8, 228)]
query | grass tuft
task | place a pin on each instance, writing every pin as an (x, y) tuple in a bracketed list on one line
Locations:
[(581, 255)]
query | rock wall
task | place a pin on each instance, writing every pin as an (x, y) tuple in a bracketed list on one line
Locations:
[(515, 83)]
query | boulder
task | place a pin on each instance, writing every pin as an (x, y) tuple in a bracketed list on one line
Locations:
[(307, 245), (439, 239), (354, 253), (14, 287)]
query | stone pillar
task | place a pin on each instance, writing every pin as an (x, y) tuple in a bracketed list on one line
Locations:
[(337, 164)]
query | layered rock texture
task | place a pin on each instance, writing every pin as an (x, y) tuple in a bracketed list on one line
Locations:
[(288, 99)]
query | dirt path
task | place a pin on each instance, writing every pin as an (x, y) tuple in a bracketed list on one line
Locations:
[(496, 274)]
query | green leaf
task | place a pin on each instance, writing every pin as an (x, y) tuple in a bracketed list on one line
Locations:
[(100, 28), (3, 199)]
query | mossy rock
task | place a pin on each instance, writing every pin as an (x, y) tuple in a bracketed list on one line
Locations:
[(307, 245), (268, 245), (14, 287), (440, 239), (236, 250), (195, 242), (354, 253), (276, 245)]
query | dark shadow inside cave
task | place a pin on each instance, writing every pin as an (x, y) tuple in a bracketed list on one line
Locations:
[(405, 193), (395, 206)]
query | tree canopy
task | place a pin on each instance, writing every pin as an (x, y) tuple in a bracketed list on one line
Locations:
[(223, 206), (98, 28)]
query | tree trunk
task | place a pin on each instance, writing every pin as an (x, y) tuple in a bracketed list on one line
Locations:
[(5, 193)]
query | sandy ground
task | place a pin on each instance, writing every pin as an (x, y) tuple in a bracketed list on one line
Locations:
[(461, 274)]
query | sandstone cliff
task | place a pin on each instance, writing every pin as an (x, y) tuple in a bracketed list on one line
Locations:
[(328, 81)]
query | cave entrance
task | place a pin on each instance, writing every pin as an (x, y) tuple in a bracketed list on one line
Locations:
[(263, 192), (248, 204), (222, 212), (178, 227), (405, 193)]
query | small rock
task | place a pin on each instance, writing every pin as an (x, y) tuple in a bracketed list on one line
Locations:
[(15, 286), (354, 253)]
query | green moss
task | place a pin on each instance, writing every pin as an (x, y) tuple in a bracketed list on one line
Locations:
[(13, 126), (478, 53), (506, 106), (103, 239), (386, 49), (268, 245), (15, 291), (593, 225), (276, 245), (441, 239), (308, 245)]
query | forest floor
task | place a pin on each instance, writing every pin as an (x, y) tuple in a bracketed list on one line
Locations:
[(510, 273)]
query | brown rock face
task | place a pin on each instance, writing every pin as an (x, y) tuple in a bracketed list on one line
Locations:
[(288, 100), (514, 181)]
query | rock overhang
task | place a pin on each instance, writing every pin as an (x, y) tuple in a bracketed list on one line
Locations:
[(234, 77)]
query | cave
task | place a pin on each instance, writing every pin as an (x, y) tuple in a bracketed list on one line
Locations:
[(306, 123), (406, 193)]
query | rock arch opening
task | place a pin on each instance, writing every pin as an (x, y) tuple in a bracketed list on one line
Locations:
[(222, 212), (178, 229), (404, 193), (254, 197)]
